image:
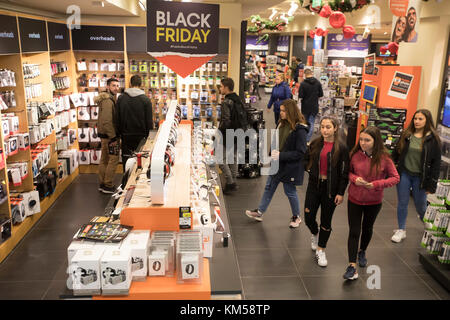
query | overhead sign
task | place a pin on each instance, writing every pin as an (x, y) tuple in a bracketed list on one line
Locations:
[(137, 39), (9, 40), (356, 47), (183, 36), (406, 20), (253, 44), (58, 36), (33, 35), (98, 38), (283, 44)]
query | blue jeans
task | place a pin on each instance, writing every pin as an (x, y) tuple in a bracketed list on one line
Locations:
[(289, 190), (403, 192), (311, 119)]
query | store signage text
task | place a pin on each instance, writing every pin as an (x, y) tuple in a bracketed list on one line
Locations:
[(9, 40), (34, 36), (6, 35)]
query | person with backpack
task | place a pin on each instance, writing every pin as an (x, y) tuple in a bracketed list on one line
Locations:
[(327, 162), (310, 91), (371, 171), (418, 159), (233, 116), (106, 101), (134, 118), (292, 130), (280, 92)]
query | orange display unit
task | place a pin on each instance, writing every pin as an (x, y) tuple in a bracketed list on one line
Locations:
[(387, 81)]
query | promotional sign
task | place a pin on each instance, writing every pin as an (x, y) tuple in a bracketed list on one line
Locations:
[(98, 38), (400, 85), (317, 43), (137, 39), (183, 36), (251, 43), (283, 44), (9, 40), (355, 47), (369, 64), (33, 35), (405, 21), (58, 36)]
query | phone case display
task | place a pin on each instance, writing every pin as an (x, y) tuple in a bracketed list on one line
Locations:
[(199, 92), (189, 257), (162, 257)]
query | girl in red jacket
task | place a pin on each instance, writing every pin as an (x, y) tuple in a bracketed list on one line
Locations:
[(371, 170)]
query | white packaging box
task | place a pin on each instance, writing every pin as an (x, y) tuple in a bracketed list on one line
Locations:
[(137, 242), (32, 202), (190, 268), (207, 231), (85, 271), (157, 263), (76, 245), (116, 271)]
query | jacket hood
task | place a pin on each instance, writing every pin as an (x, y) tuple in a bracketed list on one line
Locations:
[(134, 92), (233, 96), (301, 126), (311, 80), (103, 96)]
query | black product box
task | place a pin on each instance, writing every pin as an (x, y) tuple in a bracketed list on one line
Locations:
[(389, 126), (390, 140), (5, 229), (387, 114)]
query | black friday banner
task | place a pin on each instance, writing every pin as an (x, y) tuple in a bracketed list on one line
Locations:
[(183, 36)]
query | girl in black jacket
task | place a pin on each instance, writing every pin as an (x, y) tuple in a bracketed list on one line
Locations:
[(292, 131), (418, 159), (327, 162)]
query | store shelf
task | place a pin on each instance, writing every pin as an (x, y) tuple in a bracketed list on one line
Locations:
[(20, 230), (439, 271)]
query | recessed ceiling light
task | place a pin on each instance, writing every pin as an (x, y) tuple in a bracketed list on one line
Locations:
[(385, 32)]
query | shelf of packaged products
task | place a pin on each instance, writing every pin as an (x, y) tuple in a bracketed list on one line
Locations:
[(20, 230), (439, 271), (93, 168)]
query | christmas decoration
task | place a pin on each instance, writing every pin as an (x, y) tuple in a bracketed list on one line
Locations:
[(383, 50), (393, 47), (348, 31), (325, 12), (261, 24), (339, 5), (337, 20), (312, 33)]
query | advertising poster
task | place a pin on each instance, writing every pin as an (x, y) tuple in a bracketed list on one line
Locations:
[(405, 20), (400, 85), (356, 47), (369, 64), (183, 36), (253, 44)]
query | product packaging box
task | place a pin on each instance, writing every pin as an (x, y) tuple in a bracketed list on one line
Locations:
[(76, 245), (138, 244), (31, 202), (85, 271), (116, 271), (202, 223)]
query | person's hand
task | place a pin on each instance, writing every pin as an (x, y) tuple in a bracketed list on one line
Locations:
[(275, 155), (361, 182), (268, 110), (369, 186), (338, 200)]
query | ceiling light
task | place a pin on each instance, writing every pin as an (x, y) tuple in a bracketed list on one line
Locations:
[(142, 5), (385, 32), (274, 12), (312, 13), (185, 0), (293, 8)]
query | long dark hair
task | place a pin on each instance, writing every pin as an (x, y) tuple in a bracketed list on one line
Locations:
[(429, 128), (379, 151), (316, 144), (293, 114), (404, 37)]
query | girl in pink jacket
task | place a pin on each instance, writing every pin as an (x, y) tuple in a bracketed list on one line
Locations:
[(371, 170)]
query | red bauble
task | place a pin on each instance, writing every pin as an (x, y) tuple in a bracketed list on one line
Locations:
[(383, 50), (326, 11), (349, 31), (312, 33), (393, 47), (319, 32), (337, 20)]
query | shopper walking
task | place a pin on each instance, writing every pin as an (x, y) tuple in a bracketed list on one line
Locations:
[(327, 162), (106, 101), (299, 66), (418, 160), (310, 91), (230, 118), (280, 92), (371, 170), (256, 76), (134, 118), (292, 131)]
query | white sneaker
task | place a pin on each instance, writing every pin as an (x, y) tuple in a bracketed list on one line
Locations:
[(398, 236), (321, 258), (314, 242)]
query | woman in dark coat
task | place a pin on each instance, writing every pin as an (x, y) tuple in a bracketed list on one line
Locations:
[(280, 92), (292, 131)]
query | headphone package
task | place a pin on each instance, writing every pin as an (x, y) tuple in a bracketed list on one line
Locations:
[(95, 156), (83, 134), (5, 127), (22, 168), (13, 122), (84, 157), (115, 267), (93, 134), (57, 123), (24, 141), (13, 145), (62, 142), (72, 136), (73, 115), (94, 113), (14, 176), (62, 170), (31, 203), (17, 209), (35, 134), (72, 162), (5, 229), (85, 271), (138, 244), (83, 114)]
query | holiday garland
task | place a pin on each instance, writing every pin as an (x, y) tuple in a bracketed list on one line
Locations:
[(337, 5), (261, 24)]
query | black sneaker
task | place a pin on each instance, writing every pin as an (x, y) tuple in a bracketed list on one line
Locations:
[(109, 190), (350, 273), (362, 260), (100, 187), (229, 188)]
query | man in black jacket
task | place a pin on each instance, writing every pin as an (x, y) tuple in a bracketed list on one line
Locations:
[(134, 117), (310, 91), (228, 105)]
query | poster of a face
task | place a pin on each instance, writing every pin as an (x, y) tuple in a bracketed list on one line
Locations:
[(405, 21)]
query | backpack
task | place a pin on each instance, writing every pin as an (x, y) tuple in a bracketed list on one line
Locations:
[(239, 118)]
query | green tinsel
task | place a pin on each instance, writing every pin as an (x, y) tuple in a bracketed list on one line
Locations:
[(343, 5)]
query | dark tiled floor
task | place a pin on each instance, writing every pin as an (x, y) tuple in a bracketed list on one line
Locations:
[(275, 262)]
